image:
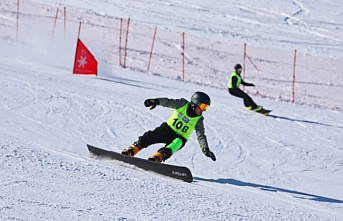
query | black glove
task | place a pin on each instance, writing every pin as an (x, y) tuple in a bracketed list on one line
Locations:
[(152, 103), (251, 84), (209, 153)]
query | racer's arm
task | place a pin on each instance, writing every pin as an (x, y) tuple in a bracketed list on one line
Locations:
[(165, 102), (247, 84), (200, 132)]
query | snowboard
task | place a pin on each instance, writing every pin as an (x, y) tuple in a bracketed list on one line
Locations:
[(264, 112), (177, 172)]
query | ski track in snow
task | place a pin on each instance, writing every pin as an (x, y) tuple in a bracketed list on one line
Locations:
[(66, 115), (52, 108)]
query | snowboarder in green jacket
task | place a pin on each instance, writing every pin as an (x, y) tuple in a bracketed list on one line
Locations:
[(234, 84), (175, 132)]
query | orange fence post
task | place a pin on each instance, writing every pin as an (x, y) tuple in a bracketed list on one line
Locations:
[(17, 26), (53, 29), (183, 56), (244, 60), (126, 40), (65, 19), (152, 48), (120, 31), (294, 64)]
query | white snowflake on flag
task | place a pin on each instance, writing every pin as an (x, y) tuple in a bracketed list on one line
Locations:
[(82, 61)]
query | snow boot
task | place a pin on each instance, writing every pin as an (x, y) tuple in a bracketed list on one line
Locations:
[(161, 155), (131, 151), (157, 157), (258, 109)]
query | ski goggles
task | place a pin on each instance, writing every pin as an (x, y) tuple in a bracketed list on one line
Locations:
[(202, 106)]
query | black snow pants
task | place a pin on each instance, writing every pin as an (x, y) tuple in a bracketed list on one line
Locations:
[(162, 134), (248, 102)]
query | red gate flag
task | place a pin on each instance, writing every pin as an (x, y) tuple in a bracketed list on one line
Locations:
[(85, 62)]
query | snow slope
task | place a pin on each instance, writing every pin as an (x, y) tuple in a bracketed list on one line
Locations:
[(284, 167), (298, 24)]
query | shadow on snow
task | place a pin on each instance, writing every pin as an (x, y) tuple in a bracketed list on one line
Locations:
[(300, 195), (303, 121)]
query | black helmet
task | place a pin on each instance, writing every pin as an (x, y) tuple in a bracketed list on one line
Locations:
[(201, 100), (237, 66)]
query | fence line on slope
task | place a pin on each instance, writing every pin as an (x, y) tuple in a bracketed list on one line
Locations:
[(286, 75)]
